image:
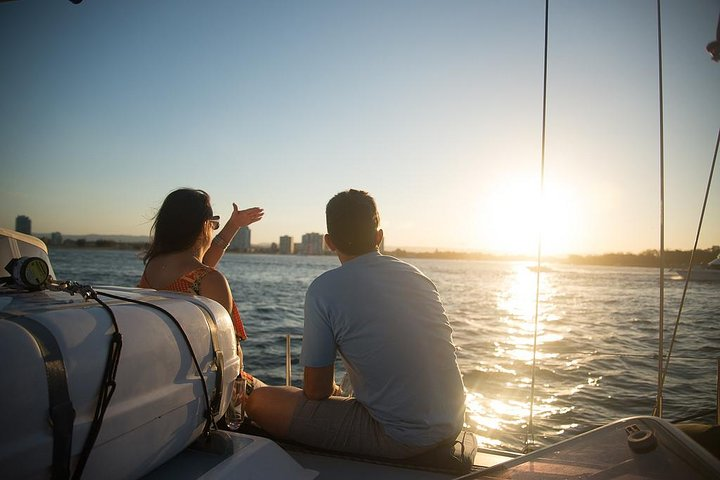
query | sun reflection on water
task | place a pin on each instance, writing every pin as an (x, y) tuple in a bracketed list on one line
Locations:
[(500, 403)]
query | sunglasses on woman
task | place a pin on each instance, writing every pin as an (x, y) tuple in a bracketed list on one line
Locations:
[(214, 222)]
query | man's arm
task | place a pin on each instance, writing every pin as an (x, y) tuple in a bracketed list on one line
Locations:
[(319, 382)]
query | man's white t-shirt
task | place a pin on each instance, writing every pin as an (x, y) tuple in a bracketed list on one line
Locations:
[(387, 321)]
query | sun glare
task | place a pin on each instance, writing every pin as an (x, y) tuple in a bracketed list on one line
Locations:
[(511, 216)]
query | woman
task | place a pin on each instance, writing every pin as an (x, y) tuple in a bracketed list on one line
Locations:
[(182, 255)]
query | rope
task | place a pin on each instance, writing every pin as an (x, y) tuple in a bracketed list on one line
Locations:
[(661, 320), (689, 272), (530, 435)]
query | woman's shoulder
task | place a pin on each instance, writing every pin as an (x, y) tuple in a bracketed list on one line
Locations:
[(211, 278), (178, 276), (214, 285), (200, 271)]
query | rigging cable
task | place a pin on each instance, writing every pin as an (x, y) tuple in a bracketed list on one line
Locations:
[(661, 320), (689, 271), (530, 434)]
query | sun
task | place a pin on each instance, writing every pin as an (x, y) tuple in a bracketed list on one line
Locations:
[(513, 214)]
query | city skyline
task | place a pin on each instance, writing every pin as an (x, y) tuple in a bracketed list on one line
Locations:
[(312, 243), (435, 108)]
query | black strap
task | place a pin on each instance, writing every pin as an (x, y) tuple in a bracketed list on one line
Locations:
[(218, 354), (61, 411)]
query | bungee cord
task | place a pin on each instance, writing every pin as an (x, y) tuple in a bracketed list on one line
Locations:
[(107, 388), (108, 385), (209, 414)]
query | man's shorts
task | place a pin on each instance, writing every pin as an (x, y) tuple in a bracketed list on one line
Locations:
[(343, 424)]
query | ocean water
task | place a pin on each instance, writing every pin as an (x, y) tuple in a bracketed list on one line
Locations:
[(597, 336)]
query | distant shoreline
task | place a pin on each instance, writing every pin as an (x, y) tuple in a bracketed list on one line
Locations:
[(648, 258)]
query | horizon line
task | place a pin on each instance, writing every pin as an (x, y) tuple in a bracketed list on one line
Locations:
[(391, 248)]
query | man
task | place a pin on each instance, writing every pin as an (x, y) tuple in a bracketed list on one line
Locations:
[(386, 320)]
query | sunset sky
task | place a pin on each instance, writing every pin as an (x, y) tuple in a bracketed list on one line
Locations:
[(434, 107)]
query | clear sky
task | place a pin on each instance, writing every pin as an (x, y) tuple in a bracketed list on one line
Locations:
[(434, 107)]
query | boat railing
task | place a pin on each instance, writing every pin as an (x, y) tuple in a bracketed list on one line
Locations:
[(288, 361), (288, 374)]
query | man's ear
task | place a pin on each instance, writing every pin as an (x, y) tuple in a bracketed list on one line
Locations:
[(329, 242), (378, 237)]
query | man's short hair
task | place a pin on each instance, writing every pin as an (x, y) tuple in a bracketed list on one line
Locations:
[(352, 222)]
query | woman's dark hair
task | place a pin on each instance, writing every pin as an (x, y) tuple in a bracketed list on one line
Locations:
[(180, 222), (352, 222)]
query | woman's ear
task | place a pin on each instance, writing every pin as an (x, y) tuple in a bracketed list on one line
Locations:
[(205, 237)]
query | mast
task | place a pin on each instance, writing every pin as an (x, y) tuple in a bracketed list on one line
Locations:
[(530, 434), (661, 322)]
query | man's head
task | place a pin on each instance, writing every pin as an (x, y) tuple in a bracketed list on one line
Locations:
[(352, 222)]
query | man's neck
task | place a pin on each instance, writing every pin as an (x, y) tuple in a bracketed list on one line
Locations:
[(344, 257)]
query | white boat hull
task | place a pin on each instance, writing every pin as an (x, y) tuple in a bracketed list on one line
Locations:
[(158, 407), (701, 274)]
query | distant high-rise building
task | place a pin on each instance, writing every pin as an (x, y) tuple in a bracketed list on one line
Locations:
[(312, 244), (23, 224), (241, 241), (286, 245), (56, 238)]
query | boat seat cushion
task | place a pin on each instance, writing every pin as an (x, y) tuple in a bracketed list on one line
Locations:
[(708, 436), (455, 457)]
